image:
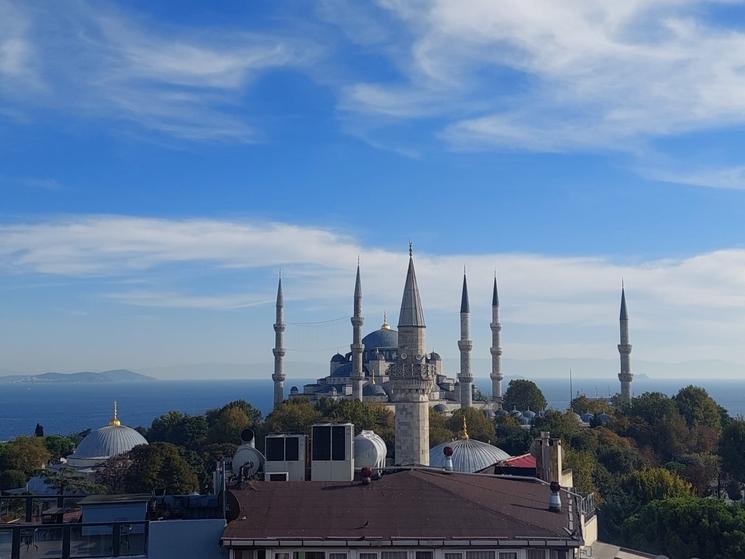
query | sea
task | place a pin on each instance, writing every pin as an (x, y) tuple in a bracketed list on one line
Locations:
[(70, 408)]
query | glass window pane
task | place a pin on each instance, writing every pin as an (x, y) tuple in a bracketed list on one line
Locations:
[(337, 556), (453, 556), (481, 554), (393, 555), (508, 555), (368, 556), (536, 554), (423, 555)]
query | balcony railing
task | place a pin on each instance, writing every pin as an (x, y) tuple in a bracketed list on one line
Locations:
[(73, 540)]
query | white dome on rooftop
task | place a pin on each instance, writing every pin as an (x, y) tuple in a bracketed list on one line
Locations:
[(469, 455)]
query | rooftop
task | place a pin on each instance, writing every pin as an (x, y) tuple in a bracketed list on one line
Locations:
[(416, 503)]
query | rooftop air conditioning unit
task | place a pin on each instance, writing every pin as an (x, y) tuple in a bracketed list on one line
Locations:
[(332, 455), (285, 454)]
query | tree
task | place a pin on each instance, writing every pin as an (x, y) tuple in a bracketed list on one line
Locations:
[(583, 465), (698, 408), (12, 479), (70, 481), (734, 490), (159, 467), (582, 404), (438, 430), (292, 416), (189, 431), (560, 424), (686, 527), (654, 422), (479, 426), (59, 446), (112, 474), (524, 395), (732, 449), (26, 454), (510, 436), (226, 424), (635, 491)]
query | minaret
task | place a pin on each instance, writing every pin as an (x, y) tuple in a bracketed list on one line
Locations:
[(412, 378), (279, 351), (357, 347), (496, 349), (465, 345), (624, 350)]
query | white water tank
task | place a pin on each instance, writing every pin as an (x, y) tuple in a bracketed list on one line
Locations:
[(369, 450)]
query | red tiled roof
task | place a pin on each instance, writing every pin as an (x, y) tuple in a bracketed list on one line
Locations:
[(522, 461), (407, 504)]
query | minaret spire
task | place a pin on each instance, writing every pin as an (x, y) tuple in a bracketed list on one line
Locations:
[(465, 345), (357, 347), (411, 377), (496, 349), (624, 350), (279, 351)]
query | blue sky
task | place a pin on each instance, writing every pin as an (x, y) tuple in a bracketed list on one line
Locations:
[(159, 166)]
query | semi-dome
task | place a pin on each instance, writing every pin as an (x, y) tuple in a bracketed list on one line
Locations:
[(101, 444), (469, 455)]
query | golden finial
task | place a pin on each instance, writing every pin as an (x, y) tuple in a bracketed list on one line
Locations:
[(115, 417), (385, 326), (465, 427)]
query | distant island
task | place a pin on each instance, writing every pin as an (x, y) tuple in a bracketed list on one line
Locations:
[(86, 377)]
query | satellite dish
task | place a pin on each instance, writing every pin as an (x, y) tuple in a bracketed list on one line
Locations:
[(247, 435)]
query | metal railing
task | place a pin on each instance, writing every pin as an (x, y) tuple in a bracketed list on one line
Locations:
[(73, 540)]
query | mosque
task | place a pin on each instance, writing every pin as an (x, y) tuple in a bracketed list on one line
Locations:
[(365, 372)]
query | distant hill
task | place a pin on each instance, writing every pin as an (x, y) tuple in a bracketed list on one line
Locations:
[(86, 377)]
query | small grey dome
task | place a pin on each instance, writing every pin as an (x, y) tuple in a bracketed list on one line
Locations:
[(587, 417), (440, 408), (469, 455), (293, 390), (529, 414), (373, 390), (435, 356), (338, 358)]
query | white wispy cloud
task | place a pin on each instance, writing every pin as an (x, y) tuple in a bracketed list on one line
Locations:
[(732, 178), (92, 59), (682, 308), (549, 76)]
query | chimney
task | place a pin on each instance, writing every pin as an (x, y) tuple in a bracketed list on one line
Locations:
[(549, 457)]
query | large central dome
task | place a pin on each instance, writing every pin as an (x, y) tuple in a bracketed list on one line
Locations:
[(385, 338)]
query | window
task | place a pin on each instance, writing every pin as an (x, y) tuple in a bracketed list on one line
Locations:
[(453, 555), (281, 556), (322, 443), (536, 554), (337, 556), (368, 556), (508, 555), (291, 449), (423, 555), (278, 476), (479, 555), (315, 555), (392, 555), (558, 554), (338, 442)]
